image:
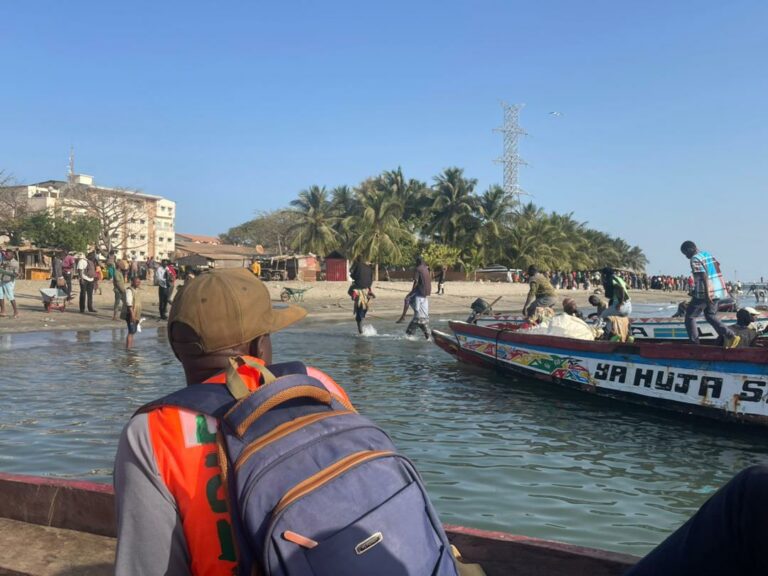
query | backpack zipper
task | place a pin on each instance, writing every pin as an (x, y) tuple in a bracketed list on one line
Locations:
[(326, 475), (282, 431)]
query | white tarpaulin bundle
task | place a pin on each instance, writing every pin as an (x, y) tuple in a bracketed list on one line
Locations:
[(565, 326)]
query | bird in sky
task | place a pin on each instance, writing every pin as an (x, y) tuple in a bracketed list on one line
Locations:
[(555, 114)]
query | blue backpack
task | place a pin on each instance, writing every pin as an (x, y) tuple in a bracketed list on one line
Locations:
[(315, 488)]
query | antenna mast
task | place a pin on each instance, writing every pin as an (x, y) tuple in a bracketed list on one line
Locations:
[(71, 174), (511, 159)]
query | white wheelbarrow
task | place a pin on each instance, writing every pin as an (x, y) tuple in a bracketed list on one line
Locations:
[(54, 299)]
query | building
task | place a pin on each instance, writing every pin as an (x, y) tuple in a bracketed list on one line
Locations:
[(197, 239), (133, 224)]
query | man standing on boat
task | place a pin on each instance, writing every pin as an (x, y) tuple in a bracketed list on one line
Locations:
[(708, 289), (541, 294)]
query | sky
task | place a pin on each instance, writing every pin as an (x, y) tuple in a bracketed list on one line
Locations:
[(234, 107)]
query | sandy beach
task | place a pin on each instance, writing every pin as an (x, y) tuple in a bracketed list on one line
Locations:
[(323, 300)]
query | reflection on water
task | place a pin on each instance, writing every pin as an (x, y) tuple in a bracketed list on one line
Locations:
[(521, 457)]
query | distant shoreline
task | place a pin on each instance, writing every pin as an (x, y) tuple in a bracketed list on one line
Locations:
[(323, 301)]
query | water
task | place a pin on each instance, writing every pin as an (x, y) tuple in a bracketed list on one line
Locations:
[(521, 457)]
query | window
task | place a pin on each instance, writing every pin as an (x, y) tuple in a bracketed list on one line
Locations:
[(143, 237), (133, 252), (132, 220), (133, 236), (142, 221), (161, 238), (142, 253), (115, 235)]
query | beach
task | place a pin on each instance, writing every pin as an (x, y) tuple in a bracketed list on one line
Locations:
[(323, 301)]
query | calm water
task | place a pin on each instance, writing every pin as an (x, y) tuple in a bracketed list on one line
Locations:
[(521, 457)]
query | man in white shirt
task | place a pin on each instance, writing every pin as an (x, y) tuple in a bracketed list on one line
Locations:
[(162, 281), (86, 269)]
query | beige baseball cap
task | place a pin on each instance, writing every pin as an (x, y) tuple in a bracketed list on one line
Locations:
[(226, 308), (752, 310)]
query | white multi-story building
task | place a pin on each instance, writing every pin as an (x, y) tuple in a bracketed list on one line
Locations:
[(135, 224)]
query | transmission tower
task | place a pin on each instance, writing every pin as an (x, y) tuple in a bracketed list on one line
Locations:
[(511, 159)]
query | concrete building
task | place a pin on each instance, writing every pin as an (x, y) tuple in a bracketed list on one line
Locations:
[(134, 224)]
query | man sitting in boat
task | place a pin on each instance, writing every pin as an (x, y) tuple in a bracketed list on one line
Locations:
[(619, 303), (745, 327), (598, 302), (541, 294)]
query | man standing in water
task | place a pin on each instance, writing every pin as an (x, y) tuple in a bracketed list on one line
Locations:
[(360, 291), (421, 289), (132, 310), (708, 289)]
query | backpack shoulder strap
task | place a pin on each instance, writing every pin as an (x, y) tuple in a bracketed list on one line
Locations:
[(213, 399)]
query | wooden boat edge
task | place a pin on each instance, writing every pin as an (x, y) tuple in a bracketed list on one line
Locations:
[(88, 507)]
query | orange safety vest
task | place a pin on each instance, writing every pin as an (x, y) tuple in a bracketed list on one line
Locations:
[(184, 445)]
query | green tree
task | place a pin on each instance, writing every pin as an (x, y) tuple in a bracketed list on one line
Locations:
[(270, 229), (46, 231), (496, 213), (453, 207), (378, 228), (439, 255), (315, 229)]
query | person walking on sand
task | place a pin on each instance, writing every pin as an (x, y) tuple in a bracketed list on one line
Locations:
[(163, 282), (708, 289), (132, 310), (118, 287), (86, 269), (8, 274), (440, 279), (68, 267)]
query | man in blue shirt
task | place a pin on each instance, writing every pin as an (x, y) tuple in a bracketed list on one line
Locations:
[(708, 288)]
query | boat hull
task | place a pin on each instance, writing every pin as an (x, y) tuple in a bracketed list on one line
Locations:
[(75, 511), (708, 381)]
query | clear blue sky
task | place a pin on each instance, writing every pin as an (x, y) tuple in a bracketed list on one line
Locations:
[(232, 107)]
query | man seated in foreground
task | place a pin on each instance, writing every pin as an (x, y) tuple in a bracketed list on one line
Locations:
[(172, 516)]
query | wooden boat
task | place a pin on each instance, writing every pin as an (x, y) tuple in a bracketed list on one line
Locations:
[(641, 328), (704, 380), (56, 527)]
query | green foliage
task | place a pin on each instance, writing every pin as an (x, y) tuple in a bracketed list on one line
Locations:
[(46, 231), (439, 255), (269, 229), (386, 218)]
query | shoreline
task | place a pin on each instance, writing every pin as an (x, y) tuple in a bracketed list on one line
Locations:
[(322, 300)]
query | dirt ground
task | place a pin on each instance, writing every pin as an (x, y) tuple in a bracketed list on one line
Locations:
[(323, 300)]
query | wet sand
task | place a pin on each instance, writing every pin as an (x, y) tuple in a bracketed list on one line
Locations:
[(323, 300)]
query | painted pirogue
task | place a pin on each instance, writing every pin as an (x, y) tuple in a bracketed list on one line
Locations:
[(708, 381)]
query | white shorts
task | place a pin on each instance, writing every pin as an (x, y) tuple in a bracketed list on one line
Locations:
[(420, 306)]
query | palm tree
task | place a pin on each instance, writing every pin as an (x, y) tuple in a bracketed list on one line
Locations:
[(314, 232), (453, 207), (378, 228), (495, 210)]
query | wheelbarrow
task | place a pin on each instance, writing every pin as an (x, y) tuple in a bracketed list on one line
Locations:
[(54, 299), (295, 294)]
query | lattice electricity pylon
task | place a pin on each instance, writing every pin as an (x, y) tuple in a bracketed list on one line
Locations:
[(511, 159)]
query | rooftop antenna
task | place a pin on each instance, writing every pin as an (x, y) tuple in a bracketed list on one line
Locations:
[(71, 172), (511, 159)]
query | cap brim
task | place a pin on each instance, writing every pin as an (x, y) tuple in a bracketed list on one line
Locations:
[(284, 316), (751, 310)]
